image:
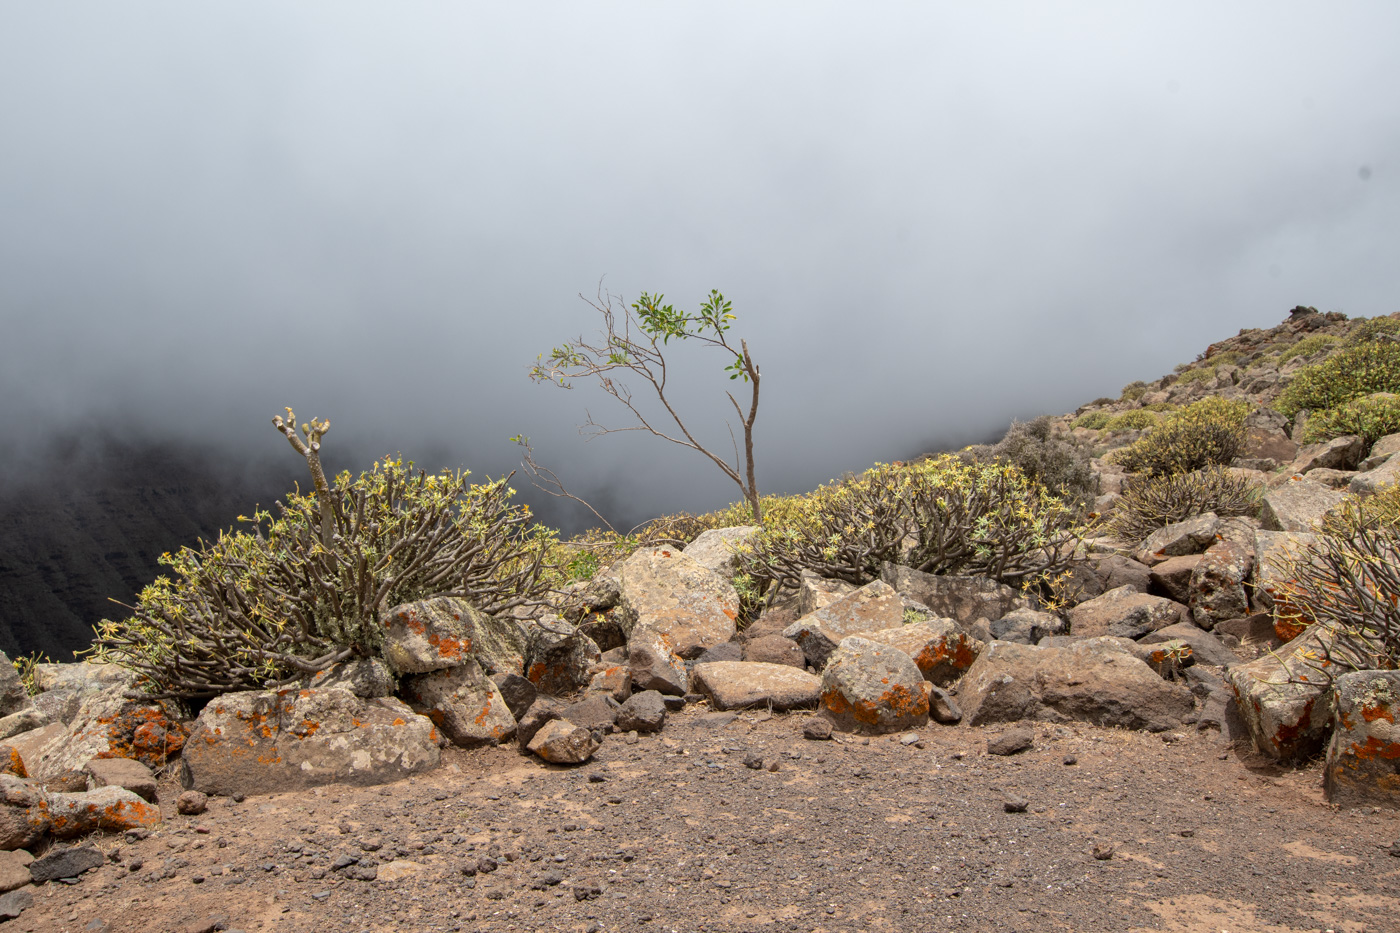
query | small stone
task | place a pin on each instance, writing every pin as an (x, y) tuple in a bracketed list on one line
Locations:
[(773, 765), (1015, 804), (1071, 760), (754, 761), (816, 729), (1103, 851), (66, 863), (191, 803), (908, 738), (596, 778), (1010, 743)]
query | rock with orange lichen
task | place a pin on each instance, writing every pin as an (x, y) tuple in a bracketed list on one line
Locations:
[(262, 742), (441, 633), (1284, 697), (110, 809), (24, 813), (745, 684), (674, 600), (942, 651), (560, 742), (962, 599), (11, 761), (464, 703), (1363, 758), (559, 659), (873, 688), (112, 725), (871, 608)]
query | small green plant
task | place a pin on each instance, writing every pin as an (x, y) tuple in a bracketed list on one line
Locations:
[(25, 665), (1152, 502), (1210, 431), (1350, 373), (1200, 374), (1373, 330), (1134, 391), (1372, 417), (1309, 346), (1136, 420), (1093, 420)]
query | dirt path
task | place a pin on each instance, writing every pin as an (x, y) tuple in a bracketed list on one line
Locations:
[(675, 833)]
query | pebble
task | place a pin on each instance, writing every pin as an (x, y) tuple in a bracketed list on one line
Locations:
[(816, 729), (1103, 851), (1071, 760), (908, 739), (1015, 804)]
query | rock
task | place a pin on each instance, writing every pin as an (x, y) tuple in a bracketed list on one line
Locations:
[(653, 667), (873, 607), (643, 712), (517, 692), (953, 597), (263, 742), (1387, 473), (66, 863), (1011, 742), (1026, 626), (771, 622), (614, 681), (596, 714), (872, 688), (1381, 451), (1085, 681), (1217, 585), (1363, 757), (13, 696), (67, 782), (30, 745), (715, 549), (1274, 553), (25, 816), (729, 651), (1257, 629), (1264, 444), (108, 725), (1124, 613), (191, 803), (444, 632), (122, 772), (677, 602), (1172, 577), (1340, 453), (12, 762), (16, 903), (1297, 505), (815, 592), (1116, 571), (562, 743), (941, 650), (588, 597), (89, 676), (25, 720), (1205, 647), (111, 809), (1015, 804), (744, 684), (559, 659), (817, 729), (1284, 700), (464, 703), (605, 628), (543, 710), (364, 677), (775, 649), (1192, 536), (942, 708), (1337, 479), (14, 870)]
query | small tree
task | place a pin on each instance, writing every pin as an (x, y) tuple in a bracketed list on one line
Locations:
[(633, 341)]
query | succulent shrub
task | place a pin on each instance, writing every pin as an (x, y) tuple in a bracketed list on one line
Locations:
[(1199, 374), (1373, 330), (1134, 391), (1372, 417), (1308, 346), (1350, 373), (1136, 420), (1160, 406), (944, 515), (1210, 431), (1093, 420), (1152, 502), (279, 602)]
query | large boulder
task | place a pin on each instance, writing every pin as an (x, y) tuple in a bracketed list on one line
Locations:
[(28, 812), (1274, 554), (1191, 536), (1298, 504), (108, 724), (873, 688), (559, 658), (364, 677), (873, 607), (1381, 451), (1216, 591), (1363, 758), (1082, 681), (1339, 453), (962, 599), (672, 599), (716, 549), (1124, 613), (940, 649), (464, 703), (262, 742), (435, 634), (1172, 577), (742, 684), (1284, 697), (1205, 647), (817, 592), (1115, 570), (1386, 473)]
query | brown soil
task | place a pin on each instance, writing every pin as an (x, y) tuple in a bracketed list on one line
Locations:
[(680, 835)]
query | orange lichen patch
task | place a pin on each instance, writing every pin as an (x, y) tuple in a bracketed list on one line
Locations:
[(127, 814), (452, 649), (1286, 735), (144, 733), (733, 616), (1378, 711), (481, 716), (1374, 748), (308, 728), (14, 764), (398, 721)]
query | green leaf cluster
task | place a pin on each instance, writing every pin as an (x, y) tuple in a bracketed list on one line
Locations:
[(1372, 417), (1350, 373)]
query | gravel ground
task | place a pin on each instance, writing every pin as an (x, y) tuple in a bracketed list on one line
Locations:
[(674, 832)]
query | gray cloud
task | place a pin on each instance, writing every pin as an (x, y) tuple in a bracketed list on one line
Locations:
[(929, 220)]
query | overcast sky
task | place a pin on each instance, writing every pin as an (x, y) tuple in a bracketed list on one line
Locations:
[(930, 217)]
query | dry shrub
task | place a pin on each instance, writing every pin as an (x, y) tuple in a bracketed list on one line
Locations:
[(1152, 502)]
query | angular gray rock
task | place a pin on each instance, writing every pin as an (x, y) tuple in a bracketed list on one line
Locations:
[(1027, 626), (729, 651), (24, 720), (1192, 536), (560, 742), (676, 601), (614, 680), (816, 592), (596, 714), (436, 634), (1274, 552), (517, 692), (1115, 570), (365, 677), (653, 667), (940, 649), (1386, 473), (66, 863), (872, 688), (464, 703), (1381, 451), (262, 742), (740, 685), (1124, 613), (543, 710), (1172, 577), (1216, 591), (643, 712), (1297, 505), (127, 773), (873, 607), (1363, 757), (1339, 453), (1085, 681), (715, 549), (1285, 701), (13, 697), (961, 599), (775, 649), (559, 660), (1205, 647)]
